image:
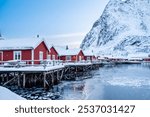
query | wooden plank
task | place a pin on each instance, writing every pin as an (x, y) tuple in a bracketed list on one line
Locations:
[(52, 78), (18, 78), (61, 74), (44, 79), (58, 75), (9, 81), (24, 80)]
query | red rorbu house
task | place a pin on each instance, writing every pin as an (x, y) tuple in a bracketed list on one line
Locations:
[(89, 56), (34, 49), (147, 59), (70, 55)]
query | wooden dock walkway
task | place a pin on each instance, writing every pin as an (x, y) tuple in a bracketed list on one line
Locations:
[(44, 75)]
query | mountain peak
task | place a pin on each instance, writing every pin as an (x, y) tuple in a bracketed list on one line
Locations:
[(123, 28)]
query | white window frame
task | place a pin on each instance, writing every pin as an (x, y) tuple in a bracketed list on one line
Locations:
[(68, 58), (17, 54), (1, 52), (41, 55)]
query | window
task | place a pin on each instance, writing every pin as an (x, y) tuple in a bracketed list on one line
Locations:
[(68, 58), (17, 55), (40, 55), (53, 57), (80, 58), (88, 58), (48, 57)]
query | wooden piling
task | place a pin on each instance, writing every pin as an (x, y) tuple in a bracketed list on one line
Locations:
[(24, 80), (44, 80), (18, 78), (57, 75)]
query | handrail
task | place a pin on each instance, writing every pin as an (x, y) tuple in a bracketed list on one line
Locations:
[(44, 63)]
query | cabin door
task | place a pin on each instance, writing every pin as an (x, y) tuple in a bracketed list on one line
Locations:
[(41, 55), (80, 58), (1, 56)]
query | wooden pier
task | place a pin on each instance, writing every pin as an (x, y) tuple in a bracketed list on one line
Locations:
[(44, 75)]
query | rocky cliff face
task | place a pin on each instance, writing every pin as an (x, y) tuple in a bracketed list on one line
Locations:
[(123, 29)]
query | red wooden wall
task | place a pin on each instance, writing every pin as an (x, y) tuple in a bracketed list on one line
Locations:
[(41, 47), (53, 52)]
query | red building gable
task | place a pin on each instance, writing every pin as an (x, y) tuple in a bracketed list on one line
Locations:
[(53, 55)]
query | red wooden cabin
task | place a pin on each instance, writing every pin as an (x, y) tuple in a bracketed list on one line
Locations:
[(23, 49), (147, 59), (71, 55), (89, 56)]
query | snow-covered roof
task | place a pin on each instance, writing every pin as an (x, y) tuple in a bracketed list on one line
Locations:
[(49, 43), (11, 44), (88, 53), (138, 55), (63, 52)]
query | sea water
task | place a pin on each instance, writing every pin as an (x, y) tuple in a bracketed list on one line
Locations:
[(117, 82)]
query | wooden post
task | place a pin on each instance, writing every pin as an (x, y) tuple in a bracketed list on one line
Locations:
[(35, 79), (3, 78), (57, 75), (7, 79), (76, 71), (44, 79), (52, 78), (24, 80), (18, 77), (62, 74)]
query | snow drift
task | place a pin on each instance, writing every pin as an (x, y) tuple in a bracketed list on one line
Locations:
[(6, 94)]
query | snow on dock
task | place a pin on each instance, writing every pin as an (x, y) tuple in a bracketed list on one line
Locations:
[(78, 64), (45, 74), (31, 68)]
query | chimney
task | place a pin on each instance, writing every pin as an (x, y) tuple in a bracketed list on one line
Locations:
[(67, 47), (38, 36)]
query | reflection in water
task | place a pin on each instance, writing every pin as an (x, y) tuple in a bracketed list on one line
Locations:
[(110, 82)]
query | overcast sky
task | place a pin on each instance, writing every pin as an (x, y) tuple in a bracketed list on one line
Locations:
[(61, 20)]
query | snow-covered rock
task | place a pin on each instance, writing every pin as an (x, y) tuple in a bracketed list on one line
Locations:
[(6, 94), (122, 29)]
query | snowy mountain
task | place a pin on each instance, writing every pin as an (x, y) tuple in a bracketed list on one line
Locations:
[(122, 29)]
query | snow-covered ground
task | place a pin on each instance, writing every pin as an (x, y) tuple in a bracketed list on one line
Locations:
[(32, 68), (6, 94)]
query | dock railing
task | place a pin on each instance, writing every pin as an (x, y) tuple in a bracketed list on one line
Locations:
[(27, 63), (44, 63)]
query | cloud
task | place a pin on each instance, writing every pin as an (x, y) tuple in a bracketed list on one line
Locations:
[(68, 35), (73, 40)]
